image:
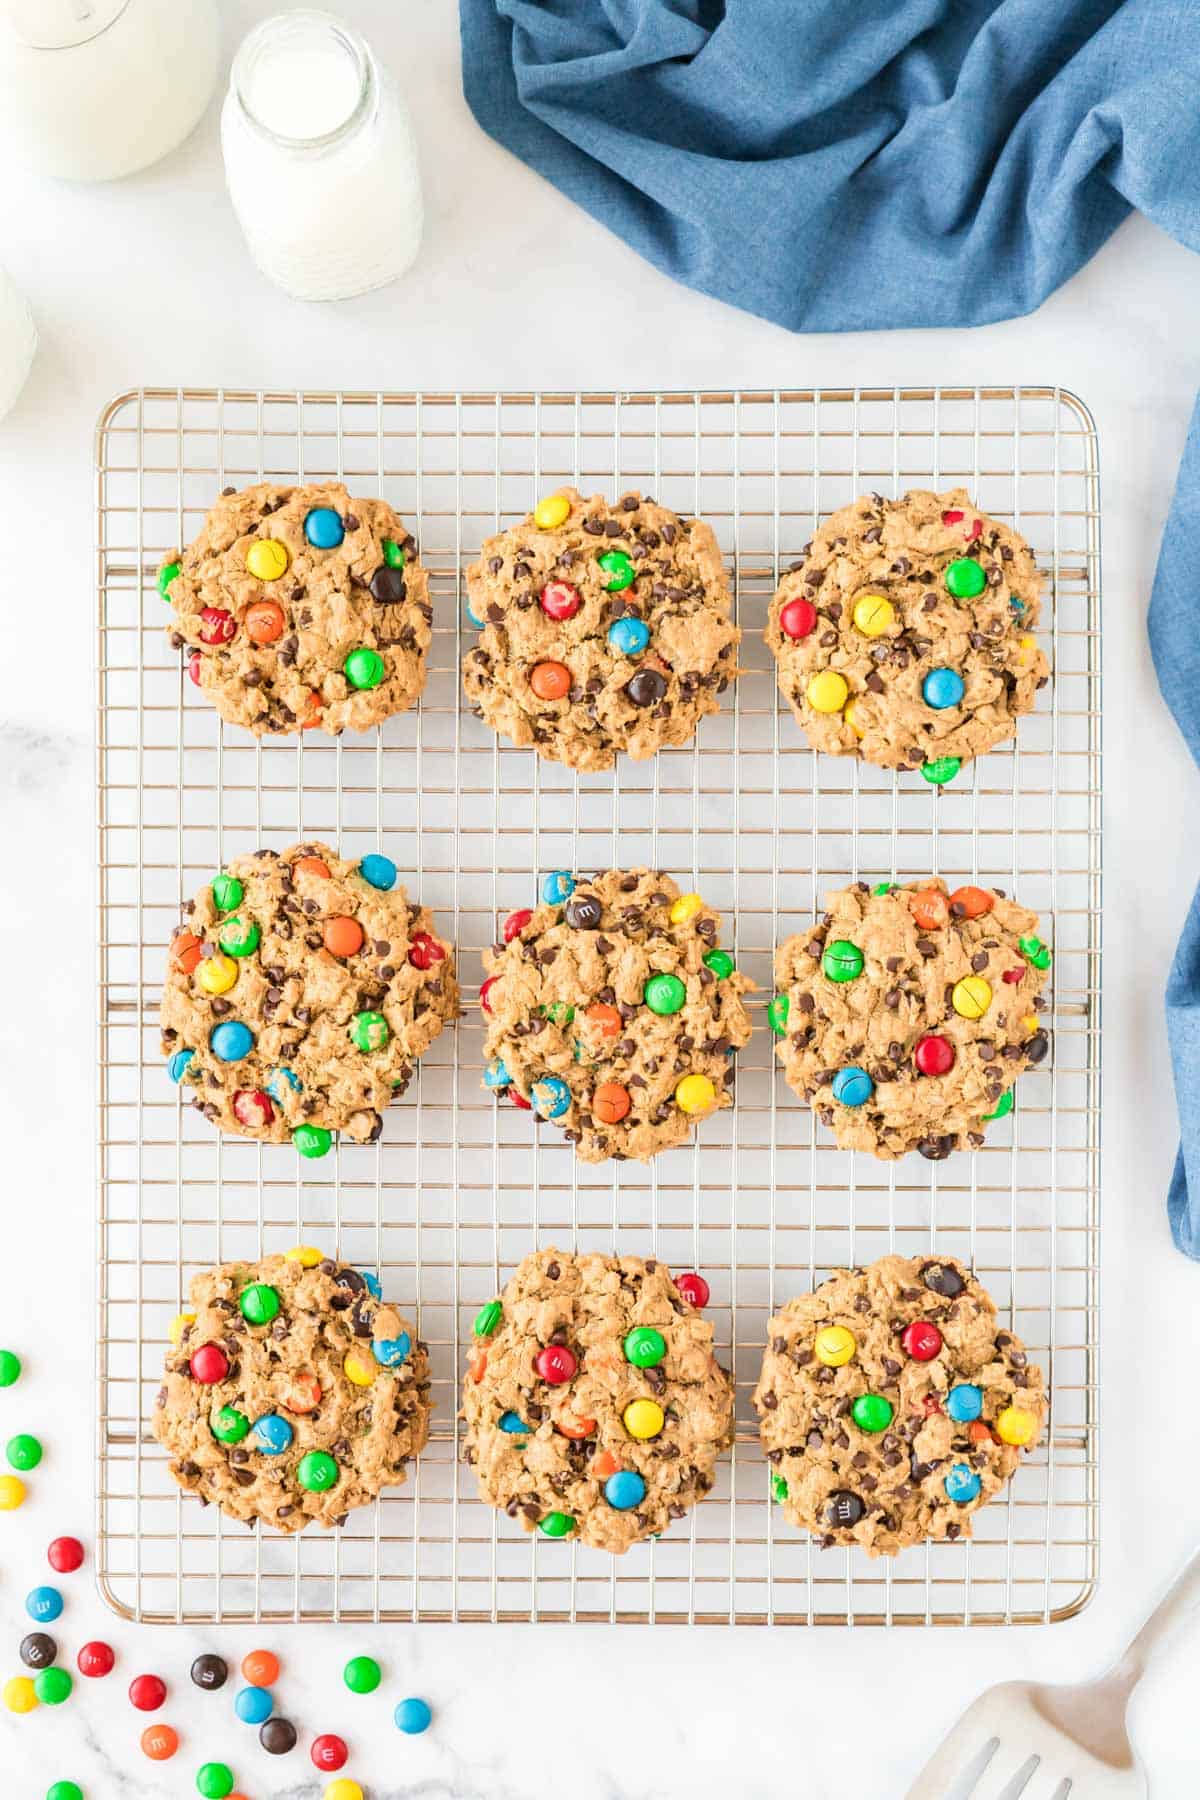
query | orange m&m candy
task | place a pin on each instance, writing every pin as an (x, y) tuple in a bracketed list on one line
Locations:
[(264, 621), (604, 1465), (312, 865), (574, 1428), (343, 936), (302, 1394), (979, 1433), (477, 1365), (159, 1742), (930, 909), (261, 1668), (550, 680), (610, 1102), (971, 902), (314, 717), (185, 952), (606, 1019)]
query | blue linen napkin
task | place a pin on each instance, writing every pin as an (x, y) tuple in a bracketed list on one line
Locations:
[(840, 166)]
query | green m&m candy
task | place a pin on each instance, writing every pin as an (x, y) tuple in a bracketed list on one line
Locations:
[(1004, 1106), (871, 1412), (362, 1675), (487, 1319), (393, 555), (228, 1425), (777, 1013), (214, 1781), (226, 892), (369, 1031), (317, 1472), (166, 576), (941, 769), (779, 1489), (720, 962), (1034, 951), (964, 578), (363, 668), (556, 1525), (644, 1347), (259, 1303), (64, 1790), (23, 1452), (312, 1140), (664, 994), (238, 937), (10, 1368), (884, 887), (619, 569), (558, 1012), (842, 961), (52, 1686)]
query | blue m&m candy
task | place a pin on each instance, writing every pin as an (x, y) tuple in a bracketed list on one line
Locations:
[(373, 1284), (942, 688), (852, 1086), (254, 1705), (961, 1484), (323, 528), (629, 636), (514, 1425), (472, 617), (625, 1490), (391, 1352), (496, 1074), (272, 1435), (964, 1402), (43, 1604), (231, 1040), (178, 1063), (551, 1097), (280, 1080), (413, 1716), (378, 871), (558, 886)]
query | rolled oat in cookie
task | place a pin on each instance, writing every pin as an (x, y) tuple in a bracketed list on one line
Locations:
[(612, 1010), (292, 1392), (301, 608), (300, 990), (604, 628), (904, 635), (892, 1405), (594, 1405), (907, 1012)]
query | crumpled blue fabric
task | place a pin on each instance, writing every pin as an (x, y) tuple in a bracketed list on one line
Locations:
[(843, 165)]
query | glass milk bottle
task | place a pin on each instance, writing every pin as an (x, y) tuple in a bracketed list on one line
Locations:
[(94, 89), (320, 159), (18, 341)]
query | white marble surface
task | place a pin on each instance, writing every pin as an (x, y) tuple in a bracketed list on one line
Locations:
[(148, 282)]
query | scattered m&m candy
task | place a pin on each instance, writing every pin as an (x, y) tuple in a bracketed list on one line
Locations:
[(369, 1031), (328, 1752), (550, 680), (209, 1364), (159, 1742), (312, 1140), (962, 1484), (852, 1086), (38, 1650), (317, 1472), (664, 994), (646, 688), (364, 668), (95, 1659), (619, 570), (214, 1781), (1016, 1426), (720, 962), (343, 1789), (209, 1672), (971, 902), (272, 1434), (166, 575), (362, 1674), (12, 1492), (53, 1686), (487, 1319), (260, 1667), (391, 1352), (556, 1525), (610, 1103), (930, 909), (342, 936), (44, 1604), (147, 1692), (643, 1419), (934, 1055), (277, 1736), (971, 997), (413, 1716), (872, 1413), (258, 1303), (177, 1064), (558, 886), (628, 636), (873, 615), (827, 692), (778, 1009), (230, 1041), (19, 1694), (217, 626), (644, 1347), (10, 1368), (253, 1705), (378, 871), (264, 621), (941, 769)]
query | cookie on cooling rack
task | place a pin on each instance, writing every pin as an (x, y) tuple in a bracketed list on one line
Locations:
[(612, 1010), (604, 628), (300, 607), (291, 1393), (300, 989), (905, 634), (907, 1012), (890, 1405), (594, 1405)]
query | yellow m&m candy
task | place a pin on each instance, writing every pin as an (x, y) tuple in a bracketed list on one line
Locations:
[(1030, 1022), (971, 997), (685, 908), (1028, 647), (551, 511), (307, 1255), (178, 1325), (1015, 1426), (873, 615), (834, 1345), (12, 1492), (357, 1372), (851, 717), (19, 1695), (217, 974), (343, 1789), (643, 1418), (695, 1094), (267, 559), (827, 692)]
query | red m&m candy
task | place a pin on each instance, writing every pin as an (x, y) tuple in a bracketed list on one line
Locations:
[(798, 618), (515, 924), (921, 1340), (328, 1752), (484, 990), (147, 1692), (555, 1364), (518, 1099), (953, 518), (209, 1364), (560, 600), (65, 1554), (252, 1108), (424, 951), (1014, 976), (217, 626), (693, 1287), (974, 530), (934, 1055), (194, 661), (95, 1659)]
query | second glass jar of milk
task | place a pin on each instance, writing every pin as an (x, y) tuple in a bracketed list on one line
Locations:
[(320, 159)]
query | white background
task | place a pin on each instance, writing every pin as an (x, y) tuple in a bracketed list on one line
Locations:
[(148, 282)]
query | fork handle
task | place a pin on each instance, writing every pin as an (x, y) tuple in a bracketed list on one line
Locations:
[(1179, 1607)]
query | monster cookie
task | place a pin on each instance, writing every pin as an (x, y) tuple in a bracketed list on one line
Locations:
[(301, 607), (612, 1009), (291, 1392), (890, 1406), (603, 628), (905, 633), (907, 1012), (300, 988), (595, 1407)]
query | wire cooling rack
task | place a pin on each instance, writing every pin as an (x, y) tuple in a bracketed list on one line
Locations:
[(459, 1189)]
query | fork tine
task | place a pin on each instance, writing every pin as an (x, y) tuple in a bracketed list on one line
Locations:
[(956, 1767)]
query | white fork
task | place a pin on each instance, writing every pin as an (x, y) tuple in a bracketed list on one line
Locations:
[(1037, 1742)]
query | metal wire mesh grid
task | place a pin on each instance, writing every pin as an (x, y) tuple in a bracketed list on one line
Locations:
[(459, 1189)]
